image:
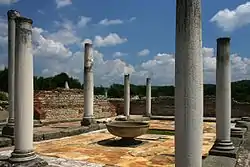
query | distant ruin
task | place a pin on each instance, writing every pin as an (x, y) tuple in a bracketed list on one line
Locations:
[(67, 104)]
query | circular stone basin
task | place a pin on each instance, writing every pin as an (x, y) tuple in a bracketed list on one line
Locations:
[(127, 129)]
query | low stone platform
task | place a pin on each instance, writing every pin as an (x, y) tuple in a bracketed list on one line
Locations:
[(57, 130), (78, 146)]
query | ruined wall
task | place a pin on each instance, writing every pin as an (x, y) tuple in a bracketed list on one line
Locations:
[(164, 106), (62, 104)]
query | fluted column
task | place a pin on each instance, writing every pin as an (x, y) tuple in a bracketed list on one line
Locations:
[(148, 97), (126, 95), (88, 116), (188, 84), (8, 130)]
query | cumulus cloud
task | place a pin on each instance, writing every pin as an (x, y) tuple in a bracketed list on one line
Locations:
[(52, 56), (62, 3), (107, 22), (144, 52), (83, 21), (111, 40), (7, 2), (229, 20), (119, 54)]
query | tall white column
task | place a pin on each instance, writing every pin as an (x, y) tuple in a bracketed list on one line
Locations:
[(8, 130), (23, 92), (188, 84), (88, 116), (126, 95), (148, 97), (223, 95)]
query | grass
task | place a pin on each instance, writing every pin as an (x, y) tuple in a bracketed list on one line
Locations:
[(160, 132)]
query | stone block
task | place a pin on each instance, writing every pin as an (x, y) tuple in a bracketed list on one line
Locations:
[(5, 142)]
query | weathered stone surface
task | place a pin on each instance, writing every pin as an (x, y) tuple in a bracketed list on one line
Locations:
[(5, 142), (38, 162), (243, 157), (87, 147)]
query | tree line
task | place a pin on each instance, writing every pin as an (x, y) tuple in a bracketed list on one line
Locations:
[(240, 89)]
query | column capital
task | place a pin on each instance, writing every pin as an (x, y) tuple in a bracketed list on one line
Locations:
[(148, 79), (24, 20), (13, 14), (88, 45), (223, 39)]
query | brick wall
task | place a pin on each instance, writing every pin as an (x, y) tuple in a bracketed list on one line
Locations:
[(164, 106), (67, 104)]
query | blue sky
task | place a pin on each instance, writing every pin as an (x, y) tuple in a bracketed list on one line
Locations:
[(128, 36)]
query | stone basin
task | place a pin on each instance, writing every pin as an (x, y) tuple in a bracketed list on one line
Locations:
[(127, 129)]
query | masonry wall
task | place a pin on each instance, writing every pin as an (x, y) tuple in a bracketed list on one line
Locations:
[(69, 104), (62, 104)]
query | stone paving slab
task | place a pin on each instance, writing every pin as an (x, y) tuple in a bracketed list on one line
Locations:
[(58, 162), (54, 131), (154, 152)]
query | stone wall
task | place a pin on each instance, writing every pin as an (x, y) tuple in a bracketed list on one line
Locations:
[(164, 106), (63, 104)]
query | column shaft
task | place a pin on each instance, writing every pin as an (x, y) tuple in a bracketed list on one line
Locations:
[(126, 95), (148, 97), (223, 94), (188, 84), (23, 92), (12, 14), (88, 116)]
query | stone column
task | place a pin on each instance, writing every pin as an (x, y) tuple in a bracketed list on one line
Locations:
[(106, 92), (188, 84), (8, 130), (88, 116), (148, 97), (223, 95), (126, 95), (66, 85), (23, 92)]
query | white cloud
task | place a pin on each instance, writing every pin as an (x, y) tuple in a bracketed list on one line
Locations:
[(7, 2), (132, 19), (229, 20), (41, 12), (63, 3), (144, 52), (107, 22), (52, 57), (83, 21), (119, 54), (65, 36), (87, 41), (45, 47), (111, 40)]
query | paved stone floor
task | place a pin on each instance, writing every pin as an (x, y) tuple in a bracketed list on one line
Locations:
[(85, 150)]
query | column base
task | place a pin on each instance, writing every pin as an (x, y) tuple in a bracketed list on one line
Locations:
[(247, 119), (18, 156), (37, 162), (238, 132), (223, 148), (87, 121), (243, 124)]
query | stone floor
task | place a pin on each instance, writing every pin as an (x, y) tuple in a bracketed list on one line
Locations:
[(86, 150)]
